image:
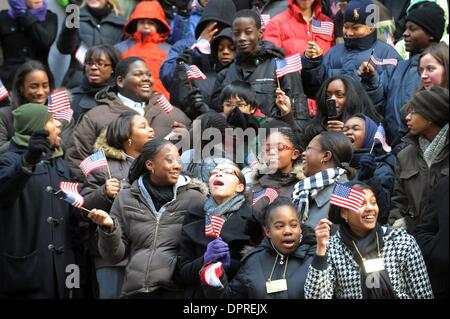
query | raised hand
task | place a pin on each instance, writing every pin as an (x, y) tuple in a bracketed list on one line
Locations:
[(112, 186), (322, 236), (283, 102), (38, 145), (101, 218)]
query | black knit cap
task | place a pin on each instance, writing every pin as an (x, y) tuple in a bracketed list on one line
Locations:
[(430, 18), (432, 105), (221, 11)]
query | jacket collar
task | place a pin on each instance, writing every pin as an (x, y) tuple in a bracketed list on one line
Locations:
[(85, 15), (361, 44)]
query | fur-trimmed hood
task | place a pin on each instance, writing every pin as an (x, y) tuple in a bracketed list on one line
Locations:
[(110, 151)]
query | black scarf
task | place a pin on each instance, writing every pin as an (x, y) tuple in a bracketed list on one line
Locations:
[(160, 194), (91, 88), (367, 246), (363, 43), (100, 13)]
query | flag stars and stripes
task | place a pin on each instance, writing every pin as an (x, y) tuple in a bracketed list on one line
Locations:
[(93, 162), (347, 197), (213, 225)]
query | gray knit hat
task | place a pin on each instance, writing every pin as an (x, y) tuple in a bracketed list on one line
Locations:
[(432, 104)]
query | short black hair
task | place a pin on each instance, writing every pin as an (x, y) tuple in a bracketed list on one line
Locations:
[(110, 51), (278, 202), (248, 13), (119, 131), (123, 67), (240, 89)]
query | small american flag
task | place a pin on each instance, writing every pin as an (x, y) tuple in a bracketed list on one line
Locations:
[(72, 196), (322, 27), (3, 91), (347, 197), (288, 65), (210, 274), (93, 162), (380, 135), (381, 62), (270, 193), (265, 19), (65, 114), (213, 225), (164, 104), (58, 100), (194, 73), (203, 46), (80, 54)]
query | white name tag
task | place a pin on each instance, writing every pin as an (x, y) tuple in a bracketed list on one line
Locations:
[(276, 286), (373, 265)]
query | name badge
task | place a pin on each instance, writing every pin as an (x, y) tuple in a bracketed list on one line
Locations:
[(276, 286), (373, 265)]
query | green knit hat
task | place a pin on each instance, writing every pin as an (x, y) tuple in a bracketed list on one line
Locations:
[(28, 118)]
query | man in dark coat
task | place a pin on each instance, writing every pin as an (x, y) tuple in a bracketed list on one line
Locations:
[(35, 226), (255, 63), (432, 237)]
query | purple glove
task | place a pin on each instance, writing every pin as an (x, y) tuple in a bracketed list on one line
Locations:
[(18, 6), (216, 251)]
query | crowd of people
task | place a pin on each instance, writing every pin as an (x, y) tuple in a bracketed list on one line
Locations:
[(202, 146)]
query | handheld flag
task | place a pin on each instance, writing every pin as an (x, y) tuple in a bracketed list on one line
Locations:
[(380, 135), (213, 225), (58, 100), (80, 54), (71, 194), (347, 197), (3, 91), (288, 65), (65, 114), (322, 27), (194, 73), (210, 274), (93, 162), (265, 19), (381, 62), (270, 193), (164, 104)]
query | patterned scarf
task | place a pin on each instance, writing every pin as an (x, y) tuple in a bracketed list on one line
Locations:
[(431, 150), (310, 186), (233, 204)]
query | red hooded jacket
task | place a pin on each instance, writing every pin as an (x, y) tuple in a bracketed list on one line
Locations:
[(149, 46), (290, 31)]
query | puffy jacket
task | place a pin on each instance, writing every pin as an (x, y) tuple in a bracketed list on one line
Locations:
[(390, 92), (194, 244), (290, 31), (259, 71), (345, 58), (91, 32), (38, 231), (337, 274), (149, 46), (250, 281), (150, 242), (108, 109), (414, 181)]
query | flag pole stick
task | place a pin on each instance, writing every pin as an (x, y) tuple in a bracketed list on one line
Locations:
[(373, 144), (278, 82), (371, 54), (107, 165)]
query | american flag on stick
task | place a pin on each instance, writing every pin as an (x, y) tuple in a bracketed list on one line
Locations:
[(72, 196), (347, 197), (213, 225), (381, 62), (80, 54), (3, 91), (322, 27), (58, 100), (93, 162), (270, 193), (380, 135), (194, 73), (164, 104), (288, 65)]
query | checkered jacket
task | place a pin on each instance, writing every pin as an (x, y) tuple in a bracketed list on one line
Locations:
[(337, 275)]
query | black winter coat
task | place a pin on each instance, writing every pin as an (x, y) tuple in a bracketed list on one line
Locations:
[(259, 71), (90, 33), (433, 237), (250, 281), (36, 228), (23, 39), (193, 246)]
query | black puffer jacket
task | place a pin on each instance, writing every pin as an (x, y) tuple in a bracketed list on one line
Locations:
[(250, 281), (194, 243), (259, 71), (91, 32)]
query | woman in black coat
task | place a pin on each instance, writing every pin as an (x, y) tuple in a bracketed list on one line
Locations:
[(284, 256), (27, 31), (226, 186)]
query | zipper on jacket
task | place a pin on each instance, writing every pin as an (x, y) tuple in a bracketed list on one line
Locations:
[(153, 248)]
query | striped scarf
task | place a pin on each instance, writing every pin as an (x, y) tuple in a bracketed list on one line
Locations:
[(310, 186)]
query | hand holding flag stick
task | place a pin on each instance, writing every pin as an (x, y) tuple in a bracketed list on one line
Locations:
[(68, 192), (288, 65), (380, 135)]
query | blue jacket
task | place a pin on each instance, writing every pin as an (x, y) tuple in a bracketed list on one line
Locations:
[(345, 59), (390, 91)]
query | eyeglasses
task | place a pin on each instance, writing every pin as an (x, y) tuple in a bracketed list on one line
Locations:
[(225, 170), (279, 147), (99, 64)]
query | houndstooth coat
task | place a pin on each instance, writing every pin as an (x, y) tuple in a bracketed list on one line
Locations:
[(337, 275)]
